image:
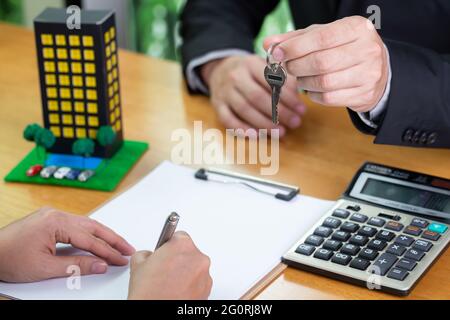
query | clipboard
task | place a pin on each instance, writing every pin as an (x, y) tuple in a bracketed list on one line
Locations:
[(278, 190)]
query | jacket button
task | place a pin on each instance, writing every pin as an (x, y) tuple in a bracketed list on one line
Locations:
[(407, 136), (423, 138), (416, 137), (432, 138)]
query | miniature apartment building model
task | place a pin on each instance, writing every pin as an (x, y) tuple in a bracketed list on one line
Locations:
[(79, 78)]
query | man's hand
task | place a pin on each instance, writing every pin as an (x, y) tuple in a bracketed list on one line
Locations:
[(177, 270), (28, 253), (242, 97), (343, 63)]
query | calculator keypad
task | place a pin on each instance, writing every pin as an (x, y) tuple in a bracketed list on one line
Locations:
[(368, 243)]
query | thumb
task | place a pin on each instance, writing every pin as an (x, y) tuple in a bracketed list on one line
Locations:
[(70, 265), (139, 257)]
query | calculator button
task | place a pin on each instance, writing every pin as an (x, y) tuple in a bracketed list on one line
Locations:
[(341, 213), (332, 223), (404, 240), (437, 227), (414, 254), (314, 240), (406, 264), (358, 217), (341, 236), (420, 223), (368, 254), (395, 226), (332, 245), (430, 235), (377, 222), (341, 258), (350, 227), (350, 249), (397, 274), (396, 249), (383, 263), (305, 249), (358, 240), (323, 254), (413, 230), (360, 264), (377, 244), (323, 232), (367, 231), (385, 235), (422, 245)]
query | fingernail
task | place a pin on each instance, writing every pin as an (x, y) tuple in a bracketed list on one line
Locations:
[(99, 268), (301, 108), (294, 122), (278, 54)]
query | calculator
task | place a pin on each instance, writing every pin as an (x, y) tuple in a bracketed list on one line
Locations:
[(384, 233)]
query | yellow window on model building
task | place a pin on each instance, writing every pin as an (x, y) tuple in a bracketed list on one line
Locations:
[(77, 81), (78, 94), (76, 67), (60, 40), (68, 132), (67, 119), (52, 105), (92, 108), (80, 120), (81, 133), (53, 118), (74, 40), (66, 106), (93, 121), (50, 79), (56, 131), (47, 39), (91, 94), (79, 107), (49, 66), (88, 41), (48, 53)]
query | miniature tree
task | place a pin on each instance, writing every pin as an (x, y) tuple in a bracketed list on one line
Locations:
[(106, 136), (45, 139), (30, 133), (84, 148)]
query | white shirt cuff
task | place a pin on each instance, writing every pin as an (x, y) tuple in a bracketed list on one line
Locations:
[(194, 81), (369, 118)]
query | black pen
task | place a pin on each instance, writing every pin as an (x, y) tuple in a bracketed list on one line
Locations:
[(169, 229)]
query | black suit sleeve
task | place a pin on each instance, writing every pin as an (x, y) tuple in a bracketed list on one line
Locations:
[(418, 110), (208, 25)]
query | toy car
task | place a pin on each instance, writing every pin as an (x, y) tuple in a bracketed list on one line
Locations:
[(47, 172), (34, 170), (61, 173), (73, 174), (85, 175)]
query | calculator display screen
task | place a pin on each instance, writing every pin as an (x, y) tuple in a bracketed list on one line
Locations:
[(407, 195)]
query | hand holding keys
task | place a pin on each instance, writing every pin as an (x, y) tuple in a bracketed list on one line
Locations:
[(275, 76)]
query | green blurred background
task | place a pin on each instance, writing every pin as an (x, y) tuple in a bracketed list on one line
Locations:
[(151, 25)]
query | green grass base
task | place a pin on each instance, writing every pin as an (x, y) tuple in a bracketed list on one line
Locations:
[(106, 178)]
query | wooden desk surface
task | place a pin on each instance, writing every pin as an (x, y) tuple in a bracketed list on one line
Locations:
[(321, 156)]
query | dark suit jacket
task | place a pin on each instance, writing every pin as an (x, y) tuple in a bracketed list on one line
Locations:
[(416, 32)]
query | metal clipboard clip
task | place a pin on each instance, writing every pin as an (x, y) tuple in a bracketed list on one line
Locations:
[(278, 190)]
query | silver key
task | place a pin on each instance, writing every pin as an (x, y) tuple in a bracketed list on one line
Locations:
[(275, 76)]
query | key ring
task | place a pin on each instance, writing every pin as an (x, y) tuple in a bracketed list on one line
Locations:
[(269, 58)]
